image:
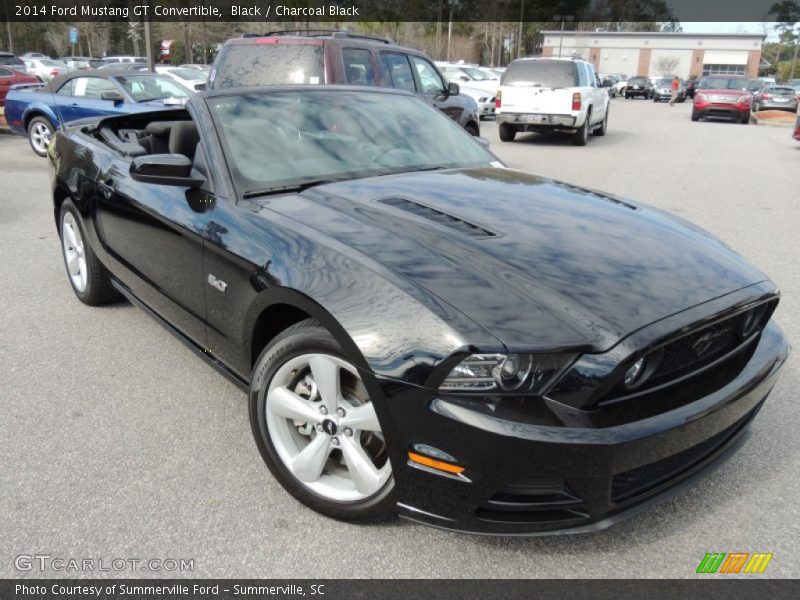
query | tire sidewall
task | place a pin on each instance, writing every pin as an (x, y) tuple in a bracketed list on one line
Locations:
[(307, 337), (68, 207)]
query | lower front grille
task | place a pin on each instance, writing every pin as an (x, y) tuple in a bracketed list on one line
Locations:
[(534, 501), (636, 481)]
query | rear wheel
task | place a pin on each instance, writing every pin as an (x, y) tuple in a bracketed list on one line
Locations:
[(581, 136), (316, 428), (507, 132), (40, 132)]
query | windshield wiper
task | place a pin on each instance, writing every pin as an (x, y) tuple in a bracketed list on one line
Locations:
[(283, 189)]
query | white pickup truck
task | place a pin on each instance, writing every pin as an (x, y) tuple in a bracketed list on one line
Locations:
[(551, 94)]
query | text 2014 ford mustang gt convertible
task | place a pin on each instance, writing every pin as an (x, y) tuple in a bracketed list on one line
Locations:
[(421, 330)]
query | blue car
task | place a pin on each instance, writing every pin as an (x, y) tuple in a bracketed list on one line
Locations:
[(36, 110)]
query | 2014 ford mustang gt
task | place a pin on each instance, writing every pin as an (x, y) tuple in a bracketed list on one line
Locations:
[(421, 330)]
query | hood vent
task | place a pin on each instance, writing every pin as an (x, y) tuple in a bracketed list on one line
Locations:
[(437, 216)]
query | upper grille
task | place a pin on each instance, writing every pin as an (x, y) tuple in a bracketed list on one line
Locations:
[(437, 216), (698, 348)]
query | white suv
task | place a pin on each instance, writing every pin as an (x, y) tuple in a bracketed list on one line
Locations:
[(551, 94)]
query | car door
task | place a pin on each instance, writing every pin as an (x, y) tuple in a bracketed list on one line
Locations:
[(155, 235), (431, 87), (82, 97)]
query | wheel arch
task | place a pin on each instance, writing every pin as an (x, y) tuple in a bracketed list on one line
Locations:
[(277, 309), (37, 111)]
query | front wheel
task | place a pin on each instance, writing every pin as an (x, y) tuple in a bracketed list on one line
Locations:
[(507, 133), (316, 427), (472, 129), (40, 132), (88, 277), (745, 120), (695, 116)]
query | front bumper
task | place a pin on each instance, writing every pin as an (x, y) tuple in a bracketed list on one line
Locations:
[(728, 111), (486, 109), (527, 479)]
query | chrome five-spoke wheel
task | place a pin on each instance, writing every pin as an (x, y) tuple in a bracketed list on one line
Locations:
[(313, 415), (74, 252), (324, 429)]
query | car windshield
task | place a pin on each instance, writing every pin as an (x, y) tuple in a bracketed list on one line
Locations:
[(780, 91), (286, 139), (53, 63), (544, 73), (11, 60), (144, 88), (637, 81), (664, 82), (476, 74), (725, 83), (188, 74), (269, 64)]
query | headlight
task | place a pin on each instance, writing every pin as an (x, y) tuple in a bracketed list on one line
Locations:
[(528, 373)]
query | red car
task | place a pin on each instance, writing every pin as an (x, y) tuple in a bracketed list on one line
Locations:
[(725, 96), (9, 77)]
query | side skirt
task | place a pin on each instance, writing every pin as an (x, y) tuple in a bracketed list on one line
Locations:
[(199, 351)]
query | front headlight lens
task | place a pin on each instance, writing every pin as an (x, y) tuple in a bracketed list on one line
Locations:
[(529, 373), (634, 374)]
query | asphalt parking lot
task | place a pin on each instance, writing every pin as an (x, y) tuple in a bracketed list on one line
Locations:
[(117, 442)]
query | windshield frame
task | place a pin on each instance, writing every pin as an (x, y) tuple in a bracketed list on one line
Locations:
[(243, 193)]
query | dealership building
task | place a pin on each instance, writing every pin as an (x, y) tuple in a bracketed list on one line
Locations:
[(660, 53)]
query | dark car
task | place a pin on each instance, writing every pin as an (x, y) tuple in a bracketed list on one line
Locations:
[(9, 77), (662, 90), (337, 57), (638, 87), (420, 329), (776, 97), (38, 110), (725, 96)]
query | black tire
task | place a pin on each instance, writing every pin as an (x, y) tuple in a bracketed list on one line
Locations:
[(307, 337), (98, 288), (601, 131), (581, 136), (507, 132), (695, 116), (627, 96), (745, 120), (35, 128), (472, 129)]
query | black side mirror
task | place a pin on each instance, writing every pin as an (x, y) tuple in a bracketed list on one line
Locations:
[(453, 89), (164, 169), (201, 87), (112, 96)]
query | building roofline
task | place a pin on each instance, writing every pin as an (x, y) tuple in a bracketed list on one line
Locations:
[(653, 34)]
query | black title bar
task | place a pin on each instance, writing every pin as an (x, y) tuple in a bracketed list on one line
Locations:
[(343, 11)]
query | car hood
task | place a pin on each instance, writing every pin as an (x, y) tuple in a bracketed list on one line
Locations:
[(539, 263)]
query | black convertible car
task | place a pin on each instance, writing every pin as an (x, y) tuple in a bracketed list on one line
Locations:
[(420, 329)]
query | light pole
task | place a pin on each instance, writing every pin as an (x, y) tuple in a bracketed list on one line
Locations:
[(519, 36), (562, 18), (794, 60)]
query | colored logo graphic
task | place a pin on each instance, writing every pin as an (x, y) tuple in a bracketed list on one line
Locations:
[(734, 562)]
